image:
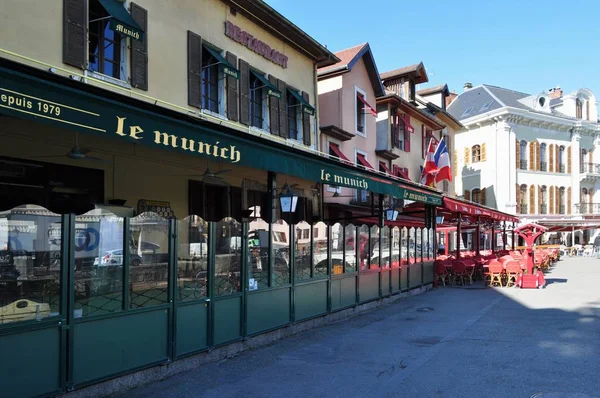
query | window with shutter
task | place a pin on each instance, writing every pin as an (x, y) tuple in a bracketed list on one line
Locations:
[(483, 152), (194, 70), (467, 155), (556, 159), (74, 33), (306, 133), (569, 160), (406, 139), (104, 44), (540, 199), (518, 196), (274, 109), (518, 154), (244, 92), (551, 158), (258, 111), (569, 203), (475, 153), (532, 160), (532, 199), (538, 165), (578, 108), (467, 194), (232, 91), (423, 142), (552, 209), (288, 114), (557, 200), (139, 50)]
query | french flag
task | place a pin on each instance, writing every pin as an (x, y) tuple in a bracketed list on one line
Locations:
[(442, 162), (430, 168)]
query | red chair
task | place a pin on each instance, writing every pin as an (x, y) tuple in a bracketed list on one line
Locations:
[(513, 269), (458, 272), (495, 271), (441, 273)]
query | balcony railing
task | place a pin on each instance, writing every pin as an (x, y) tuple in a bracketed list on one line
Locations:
[(543, 209), (523, 209), (523, 164), (543, 166), (590, 168), (587, 208)]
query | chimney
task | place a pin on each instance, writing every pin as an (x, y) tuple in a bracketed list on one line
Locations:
[(451, 98), (468, 86), (555, 92)]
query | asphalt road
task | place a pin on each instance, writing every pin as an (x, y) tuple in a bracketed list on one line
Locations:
[(450, 342)]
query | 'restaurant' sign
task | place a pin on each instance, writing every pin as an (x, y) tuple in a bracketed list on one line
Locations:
[(246, 39)]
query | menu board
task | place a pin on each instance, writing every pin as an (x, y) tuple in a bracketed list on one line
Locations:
[(160, 207)]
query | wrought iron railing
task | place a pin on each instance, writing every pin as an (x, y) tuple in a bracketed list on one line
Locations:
[(587, 208), (590, 168)]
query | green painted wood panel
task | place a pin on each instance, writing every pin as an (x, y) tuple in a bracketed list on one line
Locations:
[(108, 346), (368, 286), (191, 328), (428, 270), (310, 300), (404, 277), (385, 281), (30, 363), (395, 275), (227, 319), (415, 275), (343, 292), (268, 309)]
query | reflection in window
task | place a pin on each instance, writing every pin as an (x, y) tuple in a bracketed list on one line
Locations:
[(228, 257), (404, 243), (363, 247), (350, 248), (302, 253), (30, 263), (281, 253), (192, 258), (337, 250), (375, 249), (99, 263), (412, 243), (149, 263), (385, 248), (258, 255), (320, 243), (395, 247)]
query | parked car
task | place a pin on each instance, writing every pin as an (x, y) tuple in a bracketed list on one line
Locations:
[(114, 258)]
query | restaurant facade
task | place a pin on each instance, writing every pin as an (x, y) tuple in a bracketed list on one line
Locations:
[(161, 190)]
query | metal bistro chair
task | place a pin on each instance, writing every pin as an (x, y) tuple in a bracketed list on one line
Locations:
[(513, 269), (441, 273), (458, 272), (494, 274)]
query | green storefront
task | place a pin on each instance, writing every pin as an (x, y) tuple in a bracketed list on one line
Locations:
[(152, 290)]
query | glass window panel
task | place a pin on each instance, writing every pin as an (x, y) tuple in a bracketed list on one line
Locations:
[(281, 253), (374, 254), (149, 263), (30, 263), (192, 258), (98, 263), (258, 255), (228, 257), (412, 245), (364, 247), (404, 241), (395, 247), (302, 251), (350, 248), (337, 250), (385, 247), (320, 250)]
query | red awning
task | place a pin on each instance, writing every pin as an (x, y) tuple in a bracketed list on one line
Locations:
[(367, 105), (363, 161), (336, 149), (401, 172), (474, 210), (386, 169), (407, 124)]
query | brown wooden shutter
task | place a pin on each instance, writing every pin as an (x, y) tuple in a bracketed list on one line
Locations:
[(455, 164), (551, 158), (532, 161), (306, 133), (139, 50), (467, 194), (273, 109), (538, 165), (518, 153), (518, 198), (283, 109), (551, 195), (540, 197), (556, 159), (194, 70), (467, 157), (557, 199), (483, 154), (244, 92), (232, 91), (569, 200), (74, 33), (532, 199), (569, 157), (423, 142), (483, 199)]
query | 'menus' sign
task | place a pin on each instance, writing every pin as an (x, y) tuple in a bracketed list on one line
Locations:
[(246, 39)]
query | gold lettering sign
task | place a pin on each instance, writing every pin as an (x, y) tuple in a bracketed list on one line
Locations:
[(348, 181)]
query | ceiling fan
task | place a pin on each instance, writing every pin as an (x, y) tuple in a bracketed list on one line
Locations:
[(211, 177), (76, 153)]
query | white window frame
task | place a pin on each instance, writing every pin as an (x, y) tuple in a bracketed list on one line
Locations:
[(357, 91), (265, 105), (299, 122), (222, 94)]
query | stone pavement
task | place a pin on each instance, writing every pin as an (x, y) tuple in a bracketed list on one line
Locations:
[(450, 342)]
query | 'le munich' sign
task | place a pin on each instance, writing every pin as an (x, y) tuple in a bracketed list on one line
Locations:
[(246, 39)]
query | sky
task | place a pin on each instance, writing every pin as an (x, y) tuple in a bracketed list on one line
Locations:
[(524, 45)]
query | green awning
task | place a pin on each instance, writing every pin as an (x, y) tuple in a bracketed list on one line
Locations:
[(121, 21), (271, 89), (305, 105), (224, 65)]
